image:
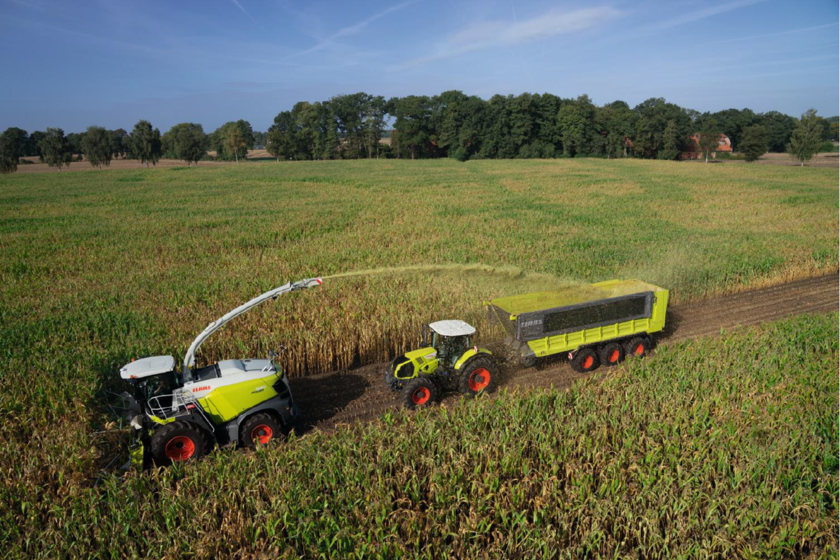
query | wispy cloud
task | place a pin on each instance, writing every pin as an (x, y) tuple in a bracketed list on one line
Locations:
[(778, 34), (350, 30), (238, 5), (695, 15), (490, 34)]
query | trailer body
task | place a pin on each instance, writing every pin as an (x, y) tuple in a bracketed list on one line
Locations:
[(546, 323)]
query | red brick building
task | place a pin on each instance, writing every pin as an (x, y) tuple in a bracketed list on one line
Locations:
[(694, 152)]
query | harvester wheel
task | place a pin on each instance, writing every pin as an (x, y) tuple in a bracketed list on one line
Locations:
[(637, 347), (479, 376), (611, 354), (178, 441), (258, 429), (419, 393), (585, 360)]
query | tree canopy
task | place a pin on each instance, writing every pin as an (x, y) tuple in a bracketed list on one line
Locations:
[(96, 145), (806, 138), (55, 149)]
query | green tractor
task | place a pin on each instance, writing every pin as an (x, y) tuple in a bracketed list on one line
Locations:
[(448, 361)]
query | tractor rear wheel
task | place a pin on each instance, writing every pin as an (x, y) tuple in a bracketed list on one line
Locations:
[(419, 393), (178, 441), (479, 376), (258, 429), (585, 360), (637, 347), (611, 354)]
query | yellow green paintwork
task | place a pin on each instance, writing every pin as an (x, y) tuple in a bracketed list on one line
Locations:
[(227, 402), (161, 421), (423, 360), (469, 354), (573, 340)]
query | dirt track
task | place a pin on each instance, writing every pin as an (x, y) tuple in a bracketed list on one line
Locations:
[(331, 399)]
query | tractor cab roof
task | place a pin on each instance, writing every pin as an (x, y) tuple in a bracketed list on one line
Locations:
[(147, 367), (452, 327)]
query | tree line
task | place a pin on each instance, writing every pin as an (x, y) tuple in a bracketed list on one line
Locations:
[(451, 124)]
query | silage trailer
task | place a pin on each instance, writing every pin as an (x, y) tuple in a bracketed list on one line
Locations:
[(594, 323)]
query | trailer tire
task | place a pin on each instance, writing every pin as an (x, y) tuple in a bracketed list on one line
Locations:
[(637, 347), (585, 360), (611, 354), (176, 442), (259, 429), (420, 392), (479, 376)]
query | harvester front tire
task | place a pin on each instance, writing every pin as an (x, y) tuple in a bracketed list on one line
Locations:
[(479, 376), (637, 347), (611, 354), (177, 442), (585, 360), (259, 429), (419, 393)]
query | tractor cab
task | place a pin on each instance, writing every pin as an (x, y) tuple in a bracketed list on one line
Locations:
[(450, 339)]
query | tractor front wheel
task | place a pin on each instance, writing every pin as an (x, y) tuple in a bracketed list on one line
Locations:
[(176, 442), (419, 393), (479, 376), (258, 429)]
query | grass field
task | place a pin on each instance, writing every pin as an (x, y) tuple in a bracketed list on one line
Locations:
[(97, 268)]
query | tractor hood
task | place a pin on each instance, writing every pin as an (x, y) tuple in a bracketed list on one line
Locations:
[(147, 367), (405, 365)]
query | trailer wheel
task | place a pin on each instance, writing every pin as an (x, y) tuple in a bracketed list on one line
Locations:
[(637, 347), (420, 392), (176, 442), (479, 376), (611, 354), (258, 429), (585, 360)]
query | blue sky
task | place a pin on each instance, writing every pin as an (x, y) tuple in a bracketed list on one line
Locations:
[(113, 62)]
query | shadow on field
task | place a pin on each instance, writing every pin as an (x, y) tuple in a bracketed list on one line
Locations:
[(319, 398), (672, 323)]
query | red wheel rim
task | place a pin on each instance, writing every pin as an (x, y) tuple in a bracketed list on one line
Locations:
[(614, 356), (479, 380), (262, 434), (421, 395), (179, 448), (588, 361), (640, 349)]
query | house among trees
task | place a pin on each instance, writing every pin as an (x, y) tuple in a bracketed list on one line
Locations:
[(694, 151)]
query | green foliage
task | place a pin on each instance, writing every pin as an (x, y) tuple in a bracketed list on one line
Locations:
[(55, 149), (779, 128), (671, 142), (807, 138), (829, 147), (232, 140), (96, 145), (753, 142), (187, 141), (146, 143), (120, 142), (709, 137), (13, 143), (722, 447)]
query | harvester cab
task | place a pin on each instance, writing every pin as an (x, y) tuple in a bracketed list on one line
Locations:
[(181, 413), (447, 361)]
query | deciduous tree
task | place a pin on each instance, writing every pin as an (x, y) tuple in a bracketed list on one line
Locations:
[(709, 137), (96, 145), (753, 142), (806, 138), (13, 143), (145, 143), (55, 150)]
